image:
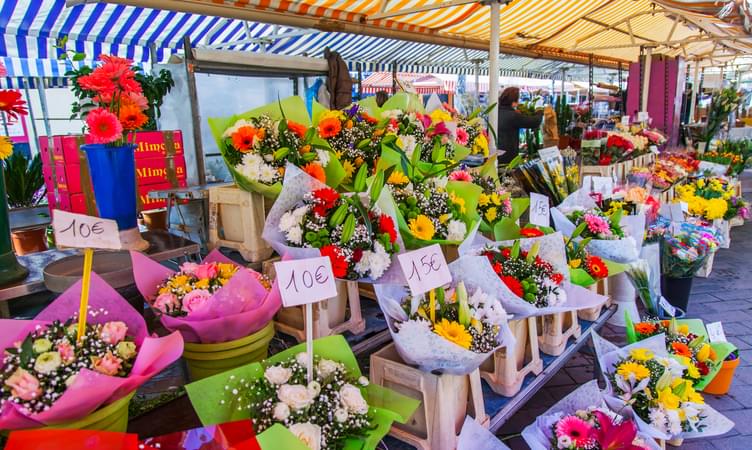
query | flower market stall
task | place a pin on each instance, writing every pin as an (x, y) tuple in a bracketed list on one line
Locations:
[(374, 276)]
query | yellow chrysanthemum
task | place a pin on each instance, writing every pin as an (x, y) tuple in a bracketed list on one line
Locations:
[(633, 369), (439, 115), (6, 148), (459, 201), (480, 145), (201, 284), (180, 280), (491, 214), (422, 228), (332, 114), (483, 199), (397, 178), (453, 332), (575, 263), (668, 399), (349, 169), (496, 199), (227, 270), (641, 354), (715, 208)]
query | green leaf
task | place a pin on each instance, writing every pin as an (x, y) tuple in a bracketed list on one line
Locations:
[(360, 179), (416, 154), (533, 252), (578, 231), (27, 351), (377, 186), (78, 56), (515, 253)]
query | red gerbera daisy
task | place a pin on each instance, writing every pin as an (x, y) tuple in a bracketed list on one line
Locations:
[(325, 200), (513, 284), (339, 262), (506, 253), (386, 225), (12, 104), (497, 267), (596, 267), (104, 126), (530, 232), (297, 129), (329, 127)]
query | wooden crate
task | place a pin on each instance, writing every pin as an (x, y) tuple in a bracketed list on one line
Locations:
[(507, 368), (554, 331), (236, 221), (330, 316), (592, 314), (445, 400)]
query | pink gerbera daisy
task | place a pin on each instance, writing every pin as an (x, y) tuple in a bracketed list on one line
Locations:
[(462, 136), (577, 430), (597, 224), (104, 126), (461, 175)]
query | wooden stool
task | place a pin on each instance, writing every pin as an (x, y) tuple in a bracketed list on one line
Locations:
[(236, 221), (507, 368), (445, 400), (554, 331), (592, 314)]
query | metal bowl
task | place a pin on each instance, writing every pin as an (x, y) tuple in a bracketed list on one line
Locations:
[(114, 267)]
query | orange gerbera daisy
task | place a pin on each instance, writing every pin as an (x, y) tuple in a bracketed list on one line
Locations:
[(296, 128), (131, 117), (329, 127), (646, 328), (316, 171), (245, 138), (596, 267), (681, 349)]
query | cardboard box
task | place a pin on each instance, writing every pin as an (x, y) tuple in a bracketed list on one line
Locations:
[(149, 204), (154, 170), (149, 144)]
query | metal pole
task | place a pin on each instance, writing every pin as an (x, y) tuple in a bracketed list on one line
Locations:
[(563, 82), (477, 80), (195, 115), (493, 69), (394, 77), (25, 82), (360, 81), (695, 89), (646, 79)]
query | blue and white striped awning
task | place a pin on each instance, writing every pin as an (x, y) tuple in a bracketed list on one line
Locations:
[(30, 30)]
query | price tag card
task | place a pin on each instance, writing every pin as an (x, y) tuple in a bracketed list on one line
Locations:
[(549, 152), (715, 332), (304, 281), (643, 116), (81, 231), (625, 120), (425, 269), (713, 168), (539, 210), (668, 307), (684, 207), (654, 149)]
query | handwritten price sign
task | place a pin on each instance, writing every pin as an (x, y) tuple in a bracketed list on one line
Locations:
[(425, 269), (304, 281), (539, 210), (80, 231)]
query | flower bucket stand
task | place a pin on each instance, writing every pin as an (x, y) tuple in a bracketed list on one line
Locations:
[(554, 331), (592, 314), (236, 221), (507, 368), (329, 316), (445, 400)]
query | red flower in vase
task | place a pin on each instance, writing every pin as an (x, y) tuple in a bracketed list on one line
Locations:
[(12, 104), (513, 284), (386, 225), (339, 262), (104, 127)]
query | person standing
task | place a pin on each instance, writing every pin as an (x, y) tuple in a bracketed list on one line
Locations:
[(511, 122)]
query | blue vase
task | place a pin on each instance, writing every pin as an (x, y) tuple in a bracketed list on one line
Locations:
[(113, 176)]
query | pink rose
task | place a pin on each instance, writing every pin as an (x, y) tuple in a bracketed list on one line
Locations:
[(23, 385), (67, 354), (189, 268), (462, 136), (195, 300), (109, 364), (166, 302), (113, 332), (208, 271)]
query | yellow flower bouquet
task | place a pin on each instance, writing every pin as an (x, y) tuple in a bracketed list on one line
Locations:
[(711, 199)]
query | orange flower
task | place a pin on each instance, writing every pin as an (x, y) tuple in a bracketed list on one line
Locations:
[(349, 124), (304, 149), (596, 267), (297, 129), (645, 328), (131, 117), (329, 127), (681, 349), (665, 323), (245, 138), (316, 171)]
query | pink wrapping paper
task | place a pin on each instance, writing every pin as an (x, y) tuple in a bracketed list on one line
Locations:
[(240, 308), (91, 389)]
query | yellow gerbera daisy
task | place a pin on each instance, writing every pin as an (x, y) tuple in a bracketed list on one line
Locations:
[(631, 368), (6, 148), (641, 354), (422, 228), (453, 332)]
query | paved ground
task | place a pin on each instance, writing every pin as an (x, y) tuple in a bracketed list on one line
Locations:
[(724, 296)]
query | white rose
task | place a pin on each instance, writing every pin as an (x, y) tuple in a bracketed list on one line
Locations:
[(340, 415), (456, 230), (363, 381), (295, 235), (314, 388), (323, 156), (281, 412), (352, 399), (309, 433), (302, 359), (564, 441), (327, 367), (295, 395), (48, 362), (277, 374)]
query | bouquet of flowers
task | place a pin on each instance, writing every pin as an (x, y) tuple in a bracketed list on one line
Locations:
[(685, 251), (433, 136), (257, 145), (642, 380), (555, 177), (586, 269), (711, 199), (472, 133), (724, 102), (215, 301), (451, 329), (338, 409), (357, 232), (687, 340), (733, 161), (582, 421), (352, 135), (50, 377), (654, 137)]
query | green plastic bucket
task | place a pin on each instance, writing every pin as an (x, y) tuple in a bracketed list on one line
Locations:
[(112, 417), (205, 360)]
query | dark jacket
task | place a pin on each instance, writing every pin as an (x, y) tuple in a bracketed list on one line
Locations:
[(508, 130), (338, 82)]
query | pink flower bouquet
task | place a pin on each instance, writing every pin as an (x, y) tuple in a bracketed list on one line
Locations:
[(49, 378), (215, 301)]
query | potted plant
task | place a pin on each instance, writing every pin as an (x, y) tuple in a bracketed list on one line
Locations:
[(723, 103), (24, 185)]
